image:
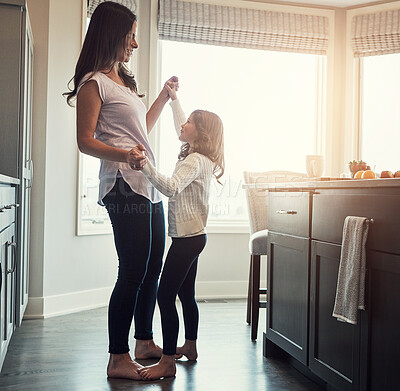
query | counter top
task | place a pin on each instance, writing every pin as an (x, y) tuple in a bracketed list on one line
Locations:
[(8, 180), (326, 183)]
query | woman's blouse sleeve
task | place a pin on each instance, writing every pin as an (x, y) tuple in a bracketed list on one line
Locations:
[(179, 115), (187, 171)]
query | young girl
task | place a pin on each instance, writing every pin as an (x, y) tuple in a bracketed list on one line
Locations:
[(201, 156)]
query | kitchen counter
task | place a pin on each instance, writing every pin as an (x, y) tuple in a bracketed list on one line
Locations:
[(8, 180), (305, 223), (326, 183)]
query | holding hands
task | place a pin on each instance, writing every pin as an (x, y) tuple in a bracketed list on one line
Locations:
[(137, 158), (172, 84)]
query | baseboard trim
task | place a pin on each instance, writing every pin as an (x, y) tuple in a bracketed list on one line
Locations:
[(50, 306)]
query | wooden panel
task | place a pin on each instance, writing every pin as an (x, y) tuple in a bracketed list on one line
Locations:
[(384, 321), (287, 304), (330, 211), (334, 345), (289, 213)]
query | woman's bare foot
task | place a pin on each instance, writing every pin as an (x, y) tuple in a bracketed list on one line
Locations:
[(145, 349), (164, 368), (122, 366), (188, 349)]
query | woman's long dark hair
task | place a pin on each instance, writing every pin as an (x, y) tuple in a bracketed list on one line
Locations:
[(109, 25)]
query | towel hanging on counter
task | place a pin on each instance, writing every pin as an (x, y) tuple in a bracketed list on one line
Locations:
[(350, 289)]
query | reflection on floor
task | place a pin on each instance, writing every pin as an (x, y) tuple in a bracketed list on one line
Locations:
[(69, 353)]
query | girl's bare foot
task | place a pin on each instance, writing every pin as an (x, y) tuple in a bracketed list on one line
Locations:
[(145, 349), (188, 349), (164, 368), (122, 366)]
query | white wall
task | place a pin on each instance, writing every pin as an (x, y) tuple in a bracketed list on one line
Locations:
[(70, 273)]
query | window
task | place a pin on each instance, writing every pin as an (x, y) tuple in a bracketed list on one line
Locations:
[(270, 104), (380, 114)]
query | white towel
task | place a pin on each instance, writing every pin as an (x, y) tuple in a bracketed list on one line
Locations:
[(350, 289)]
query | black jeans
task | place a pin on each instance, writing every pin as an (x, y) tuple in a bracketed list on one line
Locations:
[(178, 278), (139, 236)]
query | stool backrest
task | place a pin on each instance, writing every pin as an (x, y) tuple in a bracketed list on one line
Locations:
[(257, 198)]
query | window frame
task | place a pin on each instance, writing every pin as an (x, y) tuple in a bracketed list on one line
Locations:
[(353, 92), (241, 225), (147, 72)]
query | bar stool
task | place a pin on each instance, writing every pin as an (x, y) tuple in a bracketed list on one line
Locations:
[(258, 213)]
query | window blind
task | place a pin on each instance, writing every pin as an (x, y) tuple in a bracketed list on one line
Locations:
[(242, 27), (92, 4), (376, 34)]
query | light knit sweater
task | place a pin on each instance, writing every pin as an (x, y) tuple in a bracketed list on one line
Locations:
[(188, 189)]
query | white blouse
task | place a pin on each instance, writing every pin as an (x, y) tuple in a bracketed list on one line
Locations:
[(121, 124)]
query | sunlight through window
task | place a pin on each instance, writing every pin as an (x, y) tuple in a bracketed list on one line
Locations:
[(380, 114), (268, 102)]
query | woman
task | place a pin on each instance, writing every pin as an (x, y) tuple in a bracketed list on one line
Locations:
[(111, 122)]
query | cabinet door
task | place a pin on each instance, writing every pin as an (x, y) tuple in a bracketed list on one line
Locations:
[(7, 288), (381, 369), (287, 287), (10, 60), (26, 177), (334, 345)]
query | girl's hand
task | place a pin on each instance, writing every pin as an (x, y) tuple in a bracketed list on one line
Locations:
[(136, 157), (171, 84), (171, 91)]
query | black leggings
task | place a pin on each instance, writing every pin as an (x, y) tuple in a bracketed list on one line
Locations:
[(139, 235), (178, 278)]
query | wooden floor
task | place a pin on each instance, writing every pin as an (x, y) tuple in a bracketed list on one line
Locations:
[(69, 353)]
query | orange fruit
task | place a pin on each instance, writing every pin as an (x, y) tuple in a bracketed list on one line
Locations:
[(358, 174), (368, 174)]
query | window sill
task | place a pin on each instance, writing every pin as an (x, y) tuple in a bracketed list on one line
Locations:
[(225, 227)]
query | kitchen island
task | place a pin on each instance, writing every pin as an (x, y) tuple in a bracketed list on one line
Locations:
[(305, 222)]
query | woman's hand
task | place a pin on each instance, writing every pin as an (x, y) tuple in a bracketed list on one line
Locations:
[(136, 157), (171, 84), (171, 91)]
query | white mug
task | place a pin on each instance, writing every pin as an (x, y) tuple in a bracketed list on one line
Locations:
[(314, 165)]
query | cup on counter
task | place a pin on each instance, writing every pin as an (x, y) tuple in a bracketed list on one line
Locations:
[(314, 165)]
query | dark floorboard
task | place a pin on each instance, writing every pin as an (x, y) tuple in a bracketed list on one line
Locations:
[(69, 353)]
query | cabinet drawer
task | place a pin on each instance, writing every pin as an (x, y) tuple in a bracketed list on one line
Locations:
[(7, 206), (330, 211), (289, 213)]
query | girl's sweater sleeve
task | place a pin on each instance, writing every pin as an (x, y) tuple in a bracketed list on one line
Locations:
[(187, 171), (179, 115)]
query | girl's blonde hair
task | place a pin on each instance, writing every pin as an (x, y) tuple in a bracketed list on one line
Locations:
[(210, 140)]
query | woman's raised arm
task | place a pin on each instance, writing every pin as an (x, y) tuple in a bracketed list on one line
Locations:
[(158, 105)]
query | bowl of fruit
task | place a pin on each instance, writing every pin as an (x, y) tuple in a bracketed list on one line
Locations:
[(358, 165)]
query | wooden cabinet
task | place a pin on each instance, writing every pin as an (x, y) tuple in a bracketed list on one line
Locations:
[(16, 167), (287, 304), (334, 352), (8, 261), (288, 269), (8, 266), (25, 172), (381, 342), (368, 361), (302, 279)]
